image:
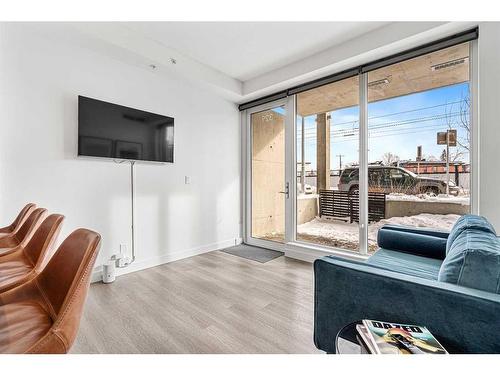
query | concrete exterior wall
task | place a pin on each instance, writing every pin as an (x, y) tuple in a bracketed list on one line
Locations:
[(307, 208), (268, 173), (409, 208)]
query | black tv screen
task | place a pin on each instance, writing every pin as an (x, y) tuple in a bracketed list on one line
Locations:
[(109, 130)]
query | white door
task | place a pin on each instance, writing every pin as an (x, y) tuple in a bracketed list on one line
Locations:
[(268, 186)]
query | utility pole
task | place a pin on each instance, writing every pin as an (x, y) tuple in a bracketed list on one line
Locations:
[(419, 158), (448, 138), (447, 162), (340, 162)]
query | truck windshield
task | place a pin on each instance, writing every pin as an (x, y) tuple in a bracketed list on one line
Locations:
[(411, 173)]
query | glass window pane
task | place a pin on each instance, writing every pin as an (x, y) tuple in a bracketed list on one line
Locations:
[(327, 165), (414, 107)]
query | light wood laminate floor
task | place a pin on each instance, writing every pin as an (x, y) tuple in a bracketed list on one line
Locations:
[(210, 303)]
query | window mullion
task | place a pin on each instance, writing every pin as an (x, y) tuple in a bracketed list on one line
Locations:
[(363, 163)]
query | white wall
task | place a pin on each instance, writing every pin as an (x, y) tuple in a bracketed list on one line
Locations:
[(489, 118), (40, 80)]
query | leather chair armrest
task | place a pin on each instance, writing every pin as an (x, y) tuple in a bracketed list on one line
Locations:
[(7, 229), (23, 292), (462, 319), (6, 241), (9, 250)]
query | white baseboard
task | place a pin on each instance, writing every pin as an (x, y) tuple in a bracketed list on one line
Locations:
[(167, 258)]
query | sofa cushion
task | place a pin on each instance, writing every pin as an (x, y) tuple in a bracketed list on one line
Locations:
[(473, 261), (468, 222), (409, 264)]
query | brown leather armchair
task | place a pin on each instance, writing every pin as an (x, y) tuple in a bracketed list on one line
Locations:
[(22, 235), (43, 315), (19, 220), (25, 262)]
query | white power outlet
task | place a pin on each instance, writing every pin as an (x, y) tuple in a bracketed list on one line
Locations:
[(187, 180), (123, 248)]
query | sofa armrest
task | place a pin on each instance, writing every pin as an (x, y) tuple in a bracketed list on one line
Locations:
[(413, 242), (462, 319), (418, 230)]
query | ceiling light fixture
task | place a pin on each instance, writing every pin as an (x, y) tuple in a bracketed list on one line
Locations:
[(379, 82), (449, 64)]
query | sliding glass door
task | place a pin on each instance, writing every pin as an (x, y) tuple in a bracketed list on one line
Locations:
[(268, 174), (268, 187), (330, 164)]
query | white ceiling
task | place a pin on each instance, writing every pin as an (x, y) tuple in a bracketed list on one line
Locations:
[(241, 61), (245, 50)]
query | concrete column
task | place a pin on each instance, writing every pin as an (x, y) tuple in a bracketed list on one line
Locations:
[(323, 150)]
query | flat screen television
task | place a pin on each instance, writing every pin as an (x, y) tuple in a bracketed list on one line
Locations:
[(108, 130)]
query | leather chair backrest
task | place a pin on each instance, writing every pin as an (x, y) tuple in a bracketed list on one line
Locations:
[(39, 248), (64, 284), (30, 224), (23, 214)]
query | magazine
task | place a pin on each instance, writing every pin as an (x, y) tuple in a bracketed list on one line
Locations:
[(392, 338), (365, 337)]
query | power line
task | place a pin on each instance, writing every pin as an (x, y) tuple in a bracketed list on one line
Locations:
[(393, 124), (403, 112), (401, 132), (397, 122)]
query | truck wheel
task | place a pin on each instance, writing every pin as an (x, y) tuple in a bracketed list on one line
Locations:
[(432, 190), (354, 190)]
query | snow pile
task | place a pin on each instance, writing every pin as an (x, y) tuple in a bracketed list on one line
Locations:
[(307, 196), (441, 198), (346, 235), (309, 189), (434, 221), (330, 228)]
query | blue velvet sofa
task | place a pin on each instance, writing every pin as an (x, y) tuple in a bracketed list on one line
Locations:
[(449, 282)]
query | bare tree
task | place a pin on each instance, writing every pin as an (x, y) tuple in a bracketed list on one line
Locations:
[(430, 157), (443, 155), (389, 158), (460, 120)]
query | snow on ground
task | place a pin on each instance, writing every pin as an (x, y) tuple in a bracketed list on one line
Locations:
[(434, 221), (343, 234), (441, 198), (307, 196)]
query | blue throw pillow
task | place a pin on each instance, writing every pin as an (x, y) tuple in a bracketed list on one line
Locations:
[(473, 261), (468, 222)]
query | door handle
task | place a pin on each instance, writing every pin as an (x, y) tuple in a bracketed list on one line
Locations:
[(287, 190)]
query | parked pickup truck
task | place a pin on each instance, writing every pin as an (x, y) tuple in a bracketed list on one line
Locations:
[(394, 180)]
